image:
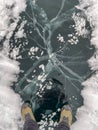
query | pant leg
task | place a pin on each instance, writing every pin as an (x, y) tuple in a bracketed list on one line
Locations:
[(63, 126), (30, 125)]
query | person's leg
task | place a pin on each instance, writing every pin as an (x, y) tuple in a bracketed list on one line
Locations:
[(30, 125), (65, 118), (28, 116), (63, 126)]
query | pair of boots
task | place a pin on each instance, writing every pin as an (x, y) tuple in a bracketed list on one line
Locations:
[(66, 113)]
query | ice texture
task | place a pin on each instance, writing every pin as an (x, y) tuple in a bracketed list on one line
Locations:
[(27, 37)]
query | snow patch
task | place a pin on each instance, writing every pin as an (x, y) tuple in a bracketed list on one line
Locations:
[(10, 103), (87, 115), (9, 11)]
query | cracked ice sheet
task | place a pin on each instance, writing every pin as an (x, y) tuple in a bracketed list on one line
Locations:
[(10, 103), (87, 115)]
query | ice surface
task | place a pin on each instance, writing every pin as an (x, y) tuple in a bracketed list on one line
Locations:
[(46, 56)]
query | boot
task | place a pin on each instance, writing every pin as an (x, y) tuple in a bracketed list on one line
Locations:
[(66, 115), (26, 111)]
